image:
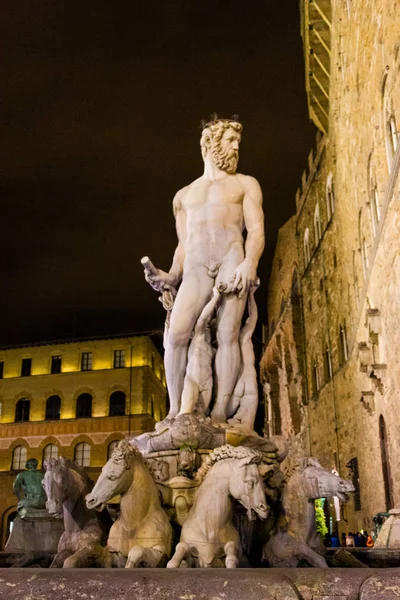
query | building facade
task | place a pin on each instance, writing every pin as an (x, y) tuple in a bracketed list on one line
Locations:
[(282, 368), (348, 250), (75, 399)]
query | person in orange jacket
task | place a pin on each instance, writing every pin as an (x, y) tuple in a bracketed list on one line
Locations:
[(370, 542)]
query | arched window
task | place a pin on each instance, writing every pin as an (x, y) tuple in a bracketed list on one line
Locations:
[(364, 256), (274, 396), (84, 406), (327, 363), (10, 523), (387, 479), (315, 376), (393, 132), (353, 466), (374, 207), (390, 127), (355, 281), (363, 245), (373, 203), (53, 406), (50, 451), (117, 404), (22, 410), (82, 454), (317, 226), (343, 351), (19, 458), (330, 197), (307, 255), (372, 219), (376, 204), (272, 327), (295, 291), (282, 305), (111, 448), (377, 348)]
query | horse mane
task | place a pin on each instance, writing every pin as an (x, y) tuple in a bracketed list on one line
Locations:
[(294, 504), (62, 461), (298, 464), (126, 452), (227, 451), (293, 495)]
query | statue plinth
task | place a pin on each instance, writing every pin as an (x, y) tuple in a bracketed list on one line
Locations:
[(199, 433), (29, 513), (389, 535), (34, 531)]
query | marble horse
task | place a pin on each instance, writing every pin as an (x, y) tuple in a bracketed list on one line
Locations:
[(142, 532), (85, 530), (208, 537), (295, 537)]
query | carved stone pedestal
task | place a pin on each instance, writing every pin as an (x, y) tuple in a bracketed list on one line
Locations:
[(389, 535), (35, 531), (179, 447)]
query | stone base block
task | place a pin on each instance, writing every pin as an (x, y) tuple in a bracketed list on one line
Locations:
[(29, 535), (8, 558), (376, 558), (200, 584)]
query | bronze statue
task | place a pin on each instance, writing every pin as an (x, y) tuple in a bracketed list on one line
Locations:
[(29, 489)]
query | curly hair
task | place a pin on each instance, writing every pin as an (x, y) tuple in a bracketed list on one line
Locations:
[(227, 451), (213, 132), (125, 451)]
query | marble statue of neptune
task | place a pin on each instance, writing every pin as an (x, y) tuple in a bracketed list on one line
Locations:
[(211, 215)]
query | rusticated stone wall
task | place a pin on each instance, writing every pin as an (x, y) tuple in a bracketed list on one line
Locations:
[(347, 231), (282, 365)]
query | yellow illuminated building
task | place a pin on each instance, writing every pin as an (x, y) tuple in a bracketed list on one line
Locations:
[(74, 399)]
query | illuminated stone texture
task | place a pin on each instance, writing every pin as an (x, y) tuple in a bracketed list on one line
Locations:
[(349, 267), (281, 366)]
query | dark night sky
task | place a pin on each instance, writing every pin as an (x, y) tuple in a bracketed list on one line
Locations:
[(101, 103)]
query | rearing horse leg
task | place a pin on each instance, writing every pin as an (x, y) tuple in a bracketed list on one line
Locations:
[(181, 551), (145, 557), (81, 558), (302, 551), (59, 559), (135, 556), (231, 551), (91, 555)]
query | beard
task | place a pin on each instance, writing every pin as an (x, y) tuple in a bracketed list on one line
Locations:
[(225, 160)]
